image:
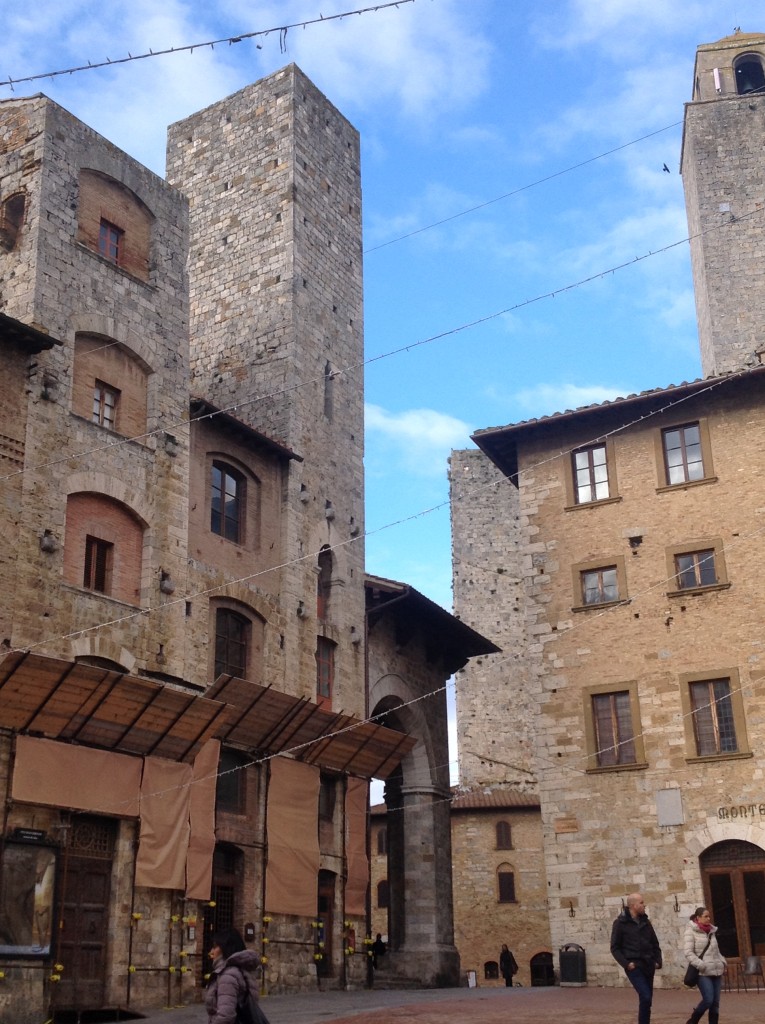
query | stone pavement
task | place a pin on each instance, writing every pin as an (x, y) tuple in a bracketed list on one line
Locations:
[(485, 1006)]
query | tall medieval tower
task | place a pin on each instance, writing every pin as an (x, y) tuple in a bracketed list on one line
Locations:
[(722, 168), (272, 176)]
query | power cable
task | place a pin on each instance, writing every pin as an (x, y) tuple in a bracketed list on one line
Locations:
[(521, 188), (189, 48)]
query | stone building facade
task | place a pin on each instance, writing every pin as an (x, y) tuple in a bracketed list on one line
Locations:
[(414, 647), (183, 743), (500, 895), (631, 529)]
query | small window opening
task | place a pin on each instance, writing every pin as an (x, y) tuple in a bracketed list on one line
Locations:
[(98, 565), (110, 241), (11, 219)]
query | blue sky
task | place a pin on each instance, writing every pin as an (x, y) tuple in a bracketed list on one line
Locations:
[(460, 104)]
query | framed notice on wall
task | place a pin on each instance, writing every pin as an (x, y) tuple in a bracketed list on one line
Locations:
[(27, 884)]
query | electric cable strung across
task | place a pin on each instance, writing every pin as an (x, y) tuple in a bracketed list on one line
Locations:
[(352, 367), (189, 48)]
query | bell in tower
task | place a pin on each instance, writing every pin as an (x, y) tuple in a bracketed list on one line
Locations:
[(750, 76)]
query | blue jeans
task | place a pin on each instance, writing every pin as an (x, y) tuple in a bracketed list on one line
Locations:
[(709, 988), (641, 979)]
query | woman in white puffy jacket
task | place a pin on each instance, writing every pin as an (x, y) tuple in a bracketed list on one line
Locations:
[(700, 938)]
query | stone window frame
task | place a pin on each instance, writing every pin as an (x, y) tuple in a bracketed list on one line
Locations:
[(713, 544), (570, 476), (706, 456), (629, 686), (592, 565), (737, 706)]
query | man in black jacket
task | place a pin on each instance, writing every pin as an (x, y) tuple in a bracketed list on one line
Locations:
[(635, 947)]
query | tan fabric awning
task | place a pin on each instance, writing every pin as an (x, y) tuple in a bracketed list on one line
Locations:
[(68, 701), (272, 721)]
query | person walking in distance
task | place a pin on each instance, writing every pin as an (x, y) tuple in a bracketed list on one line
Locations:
[(701, 950), (635, 947), (507, 965)]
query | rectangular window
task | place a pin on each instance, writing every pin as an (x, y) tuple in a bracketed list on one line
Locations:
[(110, 241), (714, 727), (98, 565), (506, 886), (599, 586), (590, 467), (227, 502), (105, 399), (695, 569), (325, 667), (613, 729), (683, 458)]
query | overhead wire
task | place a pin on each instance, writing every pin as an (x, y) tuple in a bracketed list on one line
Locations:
[(190, 47), (517, 191)]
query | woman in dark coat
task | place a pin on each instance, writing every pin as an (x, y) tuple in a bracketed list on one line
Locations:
[(507, 965), (233, 976)]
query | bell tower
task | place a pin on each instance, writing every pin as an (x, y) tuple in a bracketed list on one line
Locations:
[(723, 168)]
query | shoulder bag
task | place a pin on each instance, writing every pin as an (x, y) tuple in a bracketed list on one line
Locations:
[(691, 978)]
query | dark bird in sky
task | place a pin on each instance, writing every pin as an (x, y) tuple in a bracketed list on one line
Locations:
[(665, 168)]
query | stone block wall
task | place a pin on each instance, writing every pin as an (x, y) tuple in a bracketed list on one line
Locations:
[(494, 705), (272, 177)]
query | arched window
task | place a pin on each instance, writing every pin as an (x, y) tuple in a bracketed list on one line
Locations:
[(382, 840), (504, 836), (505, 884), (383, 893), (11, 220), (239, 636), (749, 74), (114, 222), (103, 551), (491, 970), (110, 385)]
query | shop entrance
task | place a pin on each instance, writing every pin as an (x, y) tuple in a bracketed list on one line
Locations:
[(733, 875)]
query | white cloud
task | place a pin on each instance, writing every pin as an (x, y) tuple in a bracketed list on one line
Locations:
[(618, 26), (546, 399), (419, 439)]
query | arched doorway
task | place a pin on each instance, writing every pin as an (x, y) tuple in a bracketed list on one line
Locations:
[(733, 876)]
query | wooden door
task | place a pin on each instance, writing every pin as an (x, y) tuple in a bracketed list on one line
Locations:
[(84, 915), (734, 886)]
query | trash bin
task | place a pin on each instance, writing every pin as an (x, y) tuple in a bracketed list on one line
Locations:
[(573, 965)]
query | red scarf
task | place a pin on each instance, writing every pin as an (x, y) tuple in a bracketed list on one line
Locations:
[(704, 927)]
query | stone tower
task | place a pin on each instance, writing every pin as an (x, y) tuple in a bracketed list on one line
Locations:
[(272, 176), (722, 168)]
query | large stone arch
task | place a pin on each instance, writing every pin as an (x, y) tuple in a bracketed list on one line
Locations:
[(421, 926)]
